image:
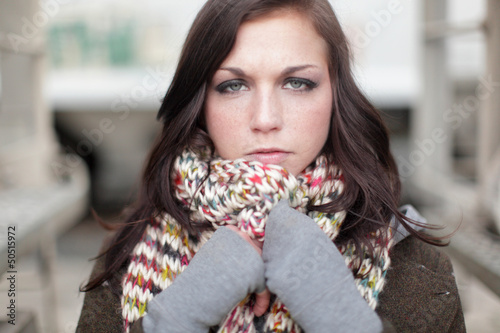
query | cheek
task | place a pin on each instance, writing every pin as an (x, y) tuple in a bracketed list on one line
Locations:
[(217, 127), (224, 130), (319, 127), (324, 113), (315, 121)]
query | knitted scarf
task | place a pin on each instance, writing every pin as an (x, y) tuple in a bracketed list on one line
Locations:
[(241, 193)]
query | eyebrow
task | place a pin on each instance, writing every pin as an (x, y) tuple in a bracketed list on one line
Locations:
[(287, 71)]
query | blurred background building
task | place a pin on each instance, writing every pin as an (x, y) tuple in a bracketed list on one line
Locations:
[(81, 82)]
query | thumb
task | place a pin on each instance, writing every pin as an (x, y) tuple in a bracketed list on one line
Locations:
[(255, 243)]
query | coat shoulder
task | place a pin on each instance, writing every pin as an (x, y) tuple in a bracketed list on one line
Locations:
[(421, 294), (101, 311)]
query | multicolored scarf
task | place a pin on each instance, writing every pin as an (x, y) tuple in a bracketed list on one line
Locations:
[(241, 193)]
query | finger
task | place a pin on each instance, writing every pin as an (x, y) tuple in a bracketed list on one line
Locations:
[(261, 302), (256, 244)]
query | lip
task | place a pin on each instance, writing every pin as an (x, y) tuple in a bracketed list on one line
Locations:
[(268, 155)]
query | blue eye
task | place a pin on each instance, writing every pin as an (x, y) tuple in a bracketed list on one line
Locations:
[(296, 84), (231, 86), (235, 86), (299, 84)]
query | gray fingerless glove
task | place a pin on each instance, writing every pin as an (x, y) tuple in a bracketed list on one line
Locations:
[(223, 272), (307, 272)]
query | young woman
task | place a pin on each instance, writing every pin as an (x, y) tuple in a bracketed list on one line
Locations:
[(269, 201)]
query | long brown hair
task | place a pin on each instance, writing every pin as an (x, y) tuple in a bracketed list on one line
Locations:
[(358, 140)]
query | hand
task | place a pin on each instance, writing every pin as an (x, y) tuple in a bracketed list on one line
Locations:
[(201, 296), (262, 299), (308, 274)]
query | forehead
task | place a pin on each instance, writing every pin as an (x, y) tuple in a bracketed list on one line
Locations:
[(282, 35)]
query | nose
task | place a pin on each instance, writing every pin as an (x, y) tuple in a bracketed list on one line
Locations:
[(267, 113)]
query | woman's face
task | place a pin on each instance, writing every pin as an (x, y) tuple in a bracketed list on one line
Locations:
[(271, 99)]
